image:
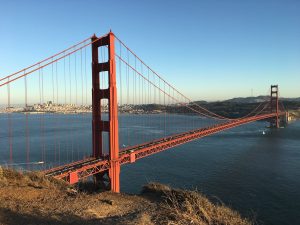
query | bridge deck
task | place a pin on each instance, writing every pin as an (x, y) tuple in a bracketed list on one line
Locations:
[(90, 166)]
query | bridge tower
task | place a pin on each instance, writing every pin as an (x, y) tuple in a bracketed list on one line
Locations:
[(112, 179), (274, 105)]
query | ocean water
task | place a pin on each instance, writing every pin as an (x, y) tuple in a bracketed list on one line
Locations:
[(256, 174), (251, 168)]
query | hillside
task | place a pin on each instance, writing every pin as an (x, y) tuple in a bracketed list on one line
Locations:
[(232, 108), (259, 99), (295, 114), (33, 199)]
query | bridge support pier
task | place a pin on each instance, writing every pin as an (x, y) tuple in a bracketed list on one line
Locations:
[(111, 125)]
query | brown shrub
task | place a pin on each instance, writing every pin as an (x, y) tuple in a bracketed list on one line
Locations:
[(35, 179), (182, 207)]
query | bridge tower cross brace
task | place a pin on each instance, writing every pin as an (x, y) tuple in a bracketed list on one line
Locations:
[(98, 125), (275, 105)]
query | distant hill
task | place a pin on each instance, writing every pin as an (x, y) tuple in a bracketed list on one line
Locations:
[(291, 99), (249, 100), (237, 107), (258, 99)]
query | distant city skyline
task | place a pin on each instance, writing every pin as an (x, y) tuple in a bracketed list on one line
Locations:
[(209, 50)]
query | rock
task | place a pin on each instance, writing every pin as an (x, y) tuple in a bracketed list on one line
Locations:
[(108, 201), (71, 192)]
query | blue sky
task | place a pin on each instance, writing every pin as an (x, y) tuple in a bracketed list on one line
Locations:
[(209, 50)]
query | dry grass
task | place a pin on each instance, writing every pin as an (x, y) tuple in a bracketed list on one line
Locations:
[(9, 177), (31, 198), (182, 207)]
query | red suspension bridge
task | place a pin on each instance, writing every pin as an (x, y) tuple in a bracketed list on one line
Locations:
[(52, 121)]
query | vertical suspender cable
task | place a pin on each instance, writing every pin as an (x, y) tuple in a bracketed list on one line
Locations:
[(9, 124)]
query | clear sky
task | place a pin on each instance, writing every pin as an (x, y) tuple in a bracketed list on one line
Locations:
[(209, 49)]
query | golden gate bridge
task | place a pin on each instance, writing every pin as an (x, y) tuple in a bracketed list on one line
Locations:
[(54, 94)]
